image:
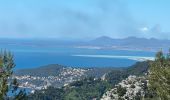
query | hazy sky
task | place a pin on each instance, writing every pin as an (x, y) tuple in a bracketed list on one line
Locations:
[(81, 19)]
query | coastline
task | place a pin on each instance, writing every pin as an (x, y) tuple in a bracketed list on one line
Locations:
[(136, 58)]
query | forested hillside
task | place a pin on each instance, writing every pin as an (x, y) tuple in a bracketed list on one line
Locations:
[(89, 88)]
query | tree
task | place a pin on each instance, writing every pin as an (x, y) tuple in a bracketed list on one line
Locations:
[(6, 85), (159, 75), (121, 91)]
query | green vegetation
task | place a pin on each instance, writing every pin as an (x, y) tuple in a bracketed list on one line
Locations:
[(49, 94), (94, 87), (159, 76), (115, 76), (91, 87), (85, 89), (6, 66), (152, 98), (121, 91)]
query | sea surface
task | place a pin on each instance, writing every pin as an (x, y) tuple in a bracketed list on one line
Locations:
[(35, 56)]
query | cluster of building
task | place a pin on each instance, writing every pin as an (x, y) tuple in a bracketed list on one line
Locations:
[(64, 77)]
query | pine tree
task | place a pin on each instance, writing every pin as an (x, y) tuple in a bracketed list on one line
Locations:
[(159, 75), (6, 70)]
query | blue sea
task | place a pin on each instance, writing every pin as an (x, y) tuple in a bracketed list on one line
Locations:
[(31, 57)]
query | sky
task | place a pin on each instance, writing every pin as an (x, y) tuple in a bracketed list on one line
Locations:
[(84, 19)]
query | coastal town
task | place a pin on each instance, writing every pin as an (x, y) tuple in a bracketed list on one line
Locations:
[(65, 76)]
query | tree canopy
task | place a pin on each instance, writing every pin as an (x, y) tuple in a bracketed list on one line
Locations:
[(159, 75), (6, 85)]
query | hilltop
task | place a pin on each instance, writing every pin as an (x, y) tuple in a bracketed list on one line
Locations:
[(58, 75), (90, 87)]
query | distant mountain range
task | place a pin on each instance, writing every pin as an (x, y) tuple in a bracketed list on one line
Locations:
[(132, 43), (129, 43)]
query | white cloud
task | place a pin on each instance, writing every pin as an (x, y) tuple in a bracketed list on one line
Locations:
[(144, 29)]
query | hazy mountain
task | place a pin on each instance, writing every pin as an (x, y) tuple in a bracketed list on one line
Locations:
[(131, 43)]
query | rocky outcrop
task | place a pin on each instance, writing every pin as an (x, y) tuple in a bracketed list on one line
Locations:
[(132, 88)]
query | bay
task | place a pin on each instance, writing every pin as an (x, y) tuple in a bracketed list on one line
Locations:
[(35, 56)]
